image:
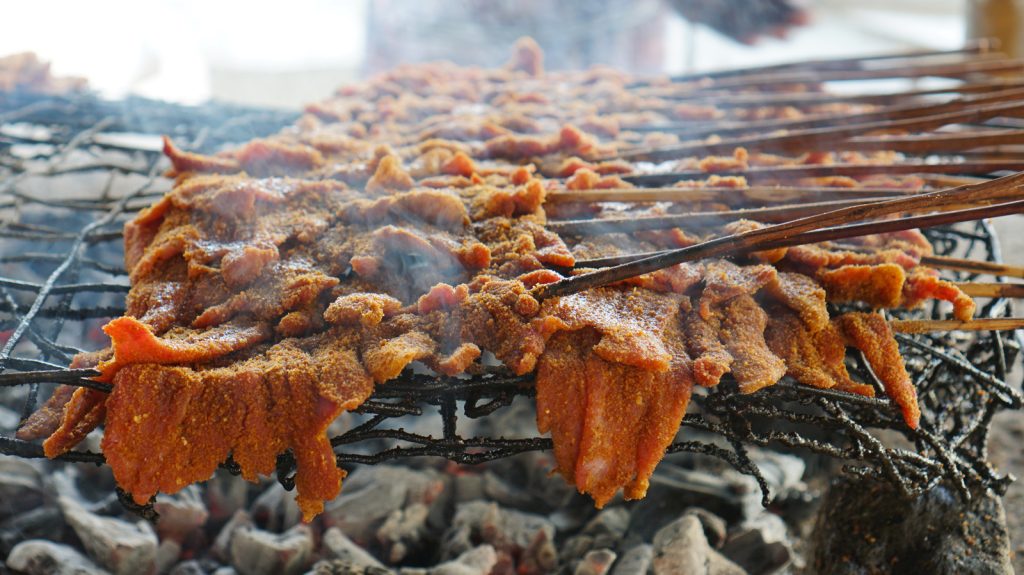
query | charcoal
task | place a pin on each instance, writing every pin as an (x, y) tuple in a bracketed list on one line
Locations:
[(760, 545), (181, 514), (32, 524), (680, 548), (477, 561), (190, 567), (167, 554), (504, 493), (468, 487), (514, 534), (117, 545), (724, 493), (21, 487), (225, 494), (344, 567), (878, 529), (41, 557), (605, 530), (608, 526), (371, 494), (636, 561), (404, 532), (9, 420), (221, 548), (714, 526), (258, 552), (336, 545), (275, 509), (596, 562)]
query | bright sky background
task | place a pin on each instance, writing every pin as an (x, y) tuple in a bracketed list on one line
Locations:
[(293, 51)]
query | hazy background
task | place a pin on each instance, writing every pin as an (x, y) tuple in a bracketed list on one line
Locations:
[(291, 52)]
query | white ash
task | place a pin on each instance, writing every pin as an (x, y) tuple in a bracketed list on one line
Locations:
[(122, 547), (257, 552), (41, 557)]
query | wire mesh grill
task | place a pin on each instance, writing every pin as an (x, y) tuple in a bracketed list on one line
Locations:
[(73, 170)]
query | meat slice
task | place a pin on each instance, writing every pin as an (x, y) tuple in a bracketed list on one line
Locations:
[(610, 422), (710, 358), (361, 309), (632, 323), (814, 358), (386, 359), (880, 286), (185, 162), (724, 280), (922, 286), (134, 342), (47, 419), (802, 295), (870, 333), (170, 426), (742, 325)]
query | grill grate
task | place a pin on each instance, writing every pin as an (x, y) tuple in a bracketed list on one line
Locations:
[(74, 169)]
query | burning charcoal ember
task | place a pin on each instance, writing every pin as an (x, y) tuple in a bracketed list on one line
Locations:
[(680, 548), (637, 560), (596, 562), (335, 545), (116, 544), (875, 528), (257, 552), (41, 557), (373, 493), (760, 545), (523, 541)]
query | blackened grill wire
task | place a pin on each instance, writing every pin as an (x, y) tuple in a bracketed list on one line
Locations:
[(61, 276)]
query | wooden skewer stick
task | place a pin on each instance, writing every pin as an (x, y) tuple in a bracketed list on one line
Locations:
[(726, 100), (717, 194), (824, 138), (697, 220), (963, 265), (930, 325), (943, 70), (984, 289), (789, 173), (902, 111), (802, 231), (773, 214), (980, 46)]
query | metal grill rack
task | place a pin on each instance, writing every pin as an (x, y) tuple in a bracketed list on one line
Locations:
[(74, 169)]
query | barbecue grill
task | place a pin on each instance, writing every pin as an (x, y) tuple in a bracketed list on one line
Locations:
[(74, 168)]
